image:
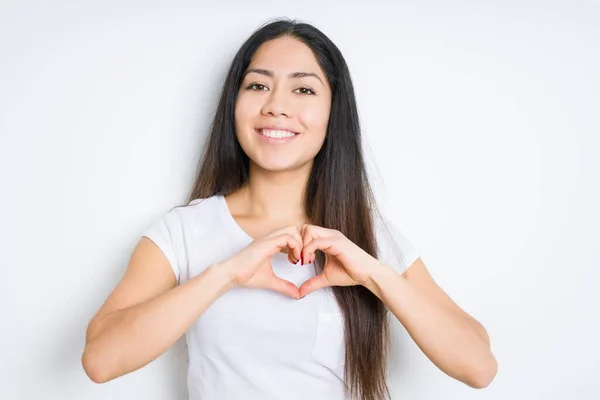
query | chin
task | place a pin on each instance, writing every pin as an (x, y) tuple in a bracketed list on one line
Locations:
[(277, 167), (280, 165)]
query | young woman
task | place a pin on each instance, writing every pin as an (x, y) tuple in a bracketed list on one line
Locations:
[(279, 269)]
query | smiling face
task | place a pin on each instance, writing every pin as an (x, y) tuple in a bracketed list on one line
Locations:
[(283, 89)]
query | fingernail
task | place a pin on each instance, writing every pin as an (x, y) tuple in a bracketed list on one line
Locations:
[(301, 297), (301, 259)]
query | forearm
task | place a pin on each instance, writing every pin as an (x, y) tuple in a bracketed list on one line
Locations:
[(478, 328), (126, 340), (454, 343)]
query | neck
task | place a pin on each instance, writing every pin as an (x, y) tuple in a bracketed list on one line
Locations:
[(275, 195)]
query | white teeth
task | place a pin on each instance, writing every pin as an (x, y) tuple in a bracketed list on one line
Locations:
[(276, 134)]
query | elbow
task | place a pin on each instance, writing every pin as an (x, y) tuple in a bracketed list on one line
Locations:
[(93, 367), (92, 361), (483, 375)]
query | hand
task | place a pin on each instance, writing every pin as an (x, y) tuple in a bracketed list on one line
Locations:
[(251, 267), (346, 264)]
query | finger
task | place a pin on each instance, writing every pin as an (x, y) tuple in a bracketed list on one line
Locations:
[(309, 233), (285, 287), (298, 249), (306, 234), (293, 231), (290, 230), (292, 258), (286, 240), (295, 245), (323, 244), (315, 283)]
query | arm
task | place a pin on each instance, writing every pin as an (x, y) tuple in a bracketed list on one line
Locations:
[(454, 341), (146, 314)]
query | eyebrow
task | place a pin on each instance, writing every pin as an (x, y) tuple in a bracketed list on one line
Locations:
[(294, 75)]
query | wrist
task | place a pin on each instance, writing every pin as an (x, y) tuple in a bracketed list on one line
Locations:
[(222, 275), (381, 273)]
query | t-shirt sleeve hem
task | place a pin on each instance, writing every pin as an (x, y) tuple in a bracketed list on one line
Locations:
[(166, 250)]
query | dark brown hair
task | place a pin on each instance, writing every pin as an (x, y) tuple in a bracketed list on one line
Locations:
[(338, 194)]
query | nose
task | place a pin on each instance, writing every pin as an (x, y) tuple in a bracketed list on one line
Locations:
[(276, 105)]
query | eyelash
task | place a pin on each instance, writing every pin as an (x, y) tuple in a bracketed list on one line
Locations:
[(305, 94)]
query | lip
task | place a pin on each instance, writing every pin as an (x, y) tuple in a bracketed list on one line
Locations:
[(275, 140), (276, 128)]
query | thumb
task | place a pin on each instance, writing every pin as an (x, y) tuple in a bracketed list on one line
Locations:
[(284, 287), (315, 283)]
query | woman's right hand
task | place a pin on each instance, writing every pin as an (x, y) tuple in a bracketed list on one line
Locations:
[(251, 267)]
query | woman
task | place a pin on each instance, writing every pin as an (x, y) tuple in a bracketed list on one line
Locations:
[(278, 269)]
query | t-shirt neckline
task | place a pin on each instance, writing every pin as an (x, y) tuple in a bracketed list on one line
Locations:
[(234, 227)]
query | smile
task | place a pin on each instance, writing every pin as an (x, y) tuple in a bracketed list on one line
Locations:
[(276, 136), (276, 133)]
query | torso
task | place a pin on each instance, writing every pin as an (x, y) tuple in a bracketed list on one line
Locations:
[(259, 344)]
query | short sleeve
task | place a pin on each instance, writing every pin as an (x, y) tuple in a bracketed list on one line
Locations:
[(393, 247), (167, 233)]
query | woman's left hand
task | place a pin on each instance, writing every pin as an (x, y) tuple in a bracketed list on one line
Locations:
[(346, 264)]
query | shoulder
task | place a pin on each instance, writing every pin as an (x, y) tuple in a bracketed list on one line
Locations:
[(207, 205), (181, 217)]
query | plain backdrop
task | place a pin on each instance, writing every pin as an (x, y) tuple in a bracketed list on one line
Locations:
[(480, 122)]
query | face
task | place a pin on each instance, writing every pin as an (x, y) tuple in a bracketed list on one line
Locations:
[(283, 105)]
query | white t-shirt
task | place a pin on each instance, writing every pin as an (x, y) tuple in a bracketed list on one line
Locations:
[(252, 343)]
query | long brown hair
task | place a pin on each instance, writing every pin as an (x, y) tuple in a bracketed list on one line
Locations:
[(338, 194)]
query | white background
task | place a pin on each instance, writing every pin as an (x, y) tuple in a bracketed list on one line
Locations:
[(482, 121)]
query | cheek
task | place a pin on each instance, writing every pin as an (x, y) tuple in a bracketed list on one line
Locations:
[(245, 114), (243, 110), (315, 119)]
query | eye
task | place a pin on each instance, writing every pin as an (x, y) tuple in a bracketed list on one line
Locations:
[(253, 85), (312, 92)]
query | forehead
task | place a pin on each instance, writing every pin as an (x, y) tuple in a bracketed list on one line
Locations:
[(284, 55)]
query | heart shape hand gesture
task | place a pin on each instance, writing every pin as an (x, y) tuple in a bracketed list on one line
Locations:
[(346, 264)]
